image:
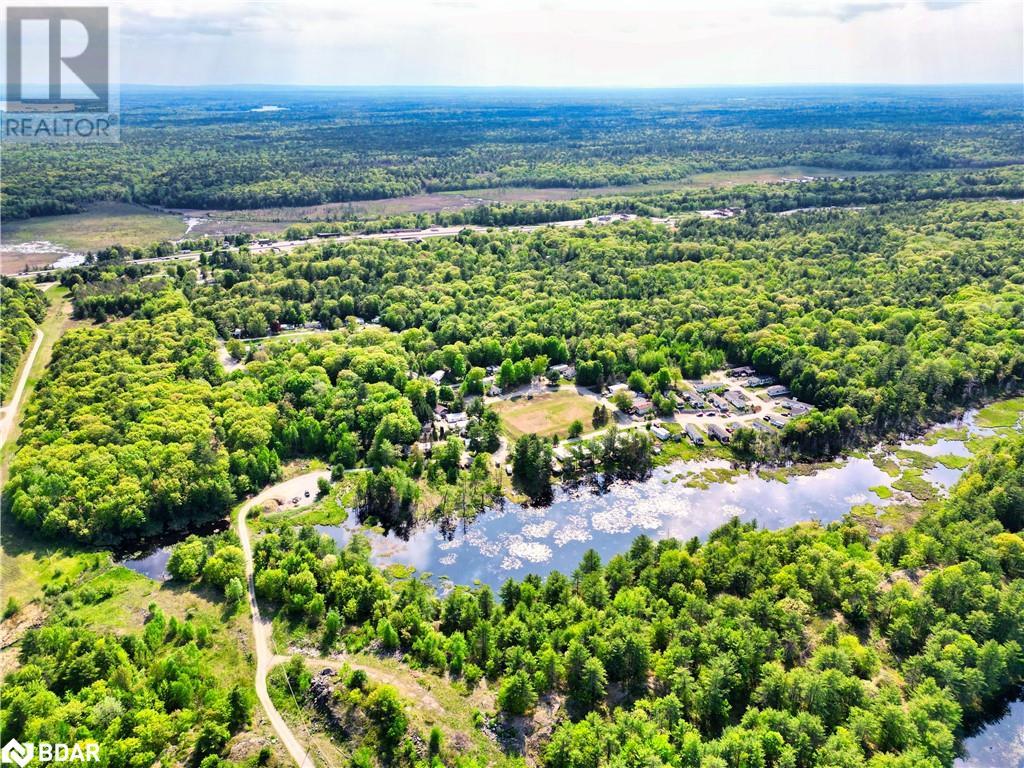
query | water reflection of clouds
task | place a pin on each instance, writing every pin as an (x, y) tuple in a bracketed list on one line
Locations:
[(539, 530), (533, 551), (999, 743), (514, 539), (943, 477), (575, 529)]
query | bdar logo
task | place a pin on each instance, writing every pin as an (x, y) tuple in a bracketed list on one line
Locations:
[(48, 752), (16, 752)]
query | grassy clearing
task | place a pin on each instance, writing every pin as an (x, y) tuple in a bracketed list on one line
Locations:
[(882, 491), (99, 226), (912, 482), (298, 467), (547, 414), (1005, 413), (672, 451), (430, 700), (28, 565), (310, 730), (454, 710), (765, 175), (330, 510), (111, 598), (952, 461)]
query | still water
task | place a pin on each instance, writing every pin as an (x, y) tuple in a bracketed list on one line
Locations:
[(514, 540), (999, 745)]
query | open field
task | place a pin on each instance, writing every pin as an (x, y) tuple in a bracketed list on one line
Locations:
[(100, 225), (28, 564), (216, 222), (430, 700), (765, 175), (219, 222), (546, 414)]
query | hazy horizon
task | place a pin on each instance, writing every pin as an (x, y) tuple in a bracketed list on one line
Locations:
[(1005, 84), (571, 44)]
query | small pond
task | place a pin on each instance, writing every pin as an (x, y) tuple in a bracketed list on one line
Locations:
[(149, 556), (678, 501), (513, 540)]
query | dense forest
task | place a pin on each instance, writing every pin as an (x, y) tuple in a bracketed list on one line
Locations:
[(886, 293), (121, 431), (809, 646), (135, 427), (144, 697), (883, 318), (23, 308), (212, 150)]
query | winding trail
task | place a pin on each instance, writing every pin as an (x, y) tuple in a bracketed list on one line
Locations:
[(9, 413), (266, 659)]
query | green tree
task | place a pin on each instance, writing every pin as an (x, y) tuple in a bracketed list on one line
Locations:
[(531, 466), (516, 695), (387, 715)]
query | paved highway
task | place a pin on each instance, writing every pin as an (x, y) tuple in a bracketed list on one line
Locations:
[(405, 235)]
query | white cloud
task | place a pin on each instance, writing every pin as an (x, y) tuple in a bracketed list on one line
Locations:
[(838, 11), (569, 42)]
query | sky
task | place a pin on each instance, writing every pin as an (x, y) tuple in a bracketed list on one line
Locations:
[(593, 43)]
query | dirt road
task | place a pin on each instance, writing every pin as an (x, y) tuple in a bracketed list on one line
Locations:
[(9, 413), (261, 630)]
